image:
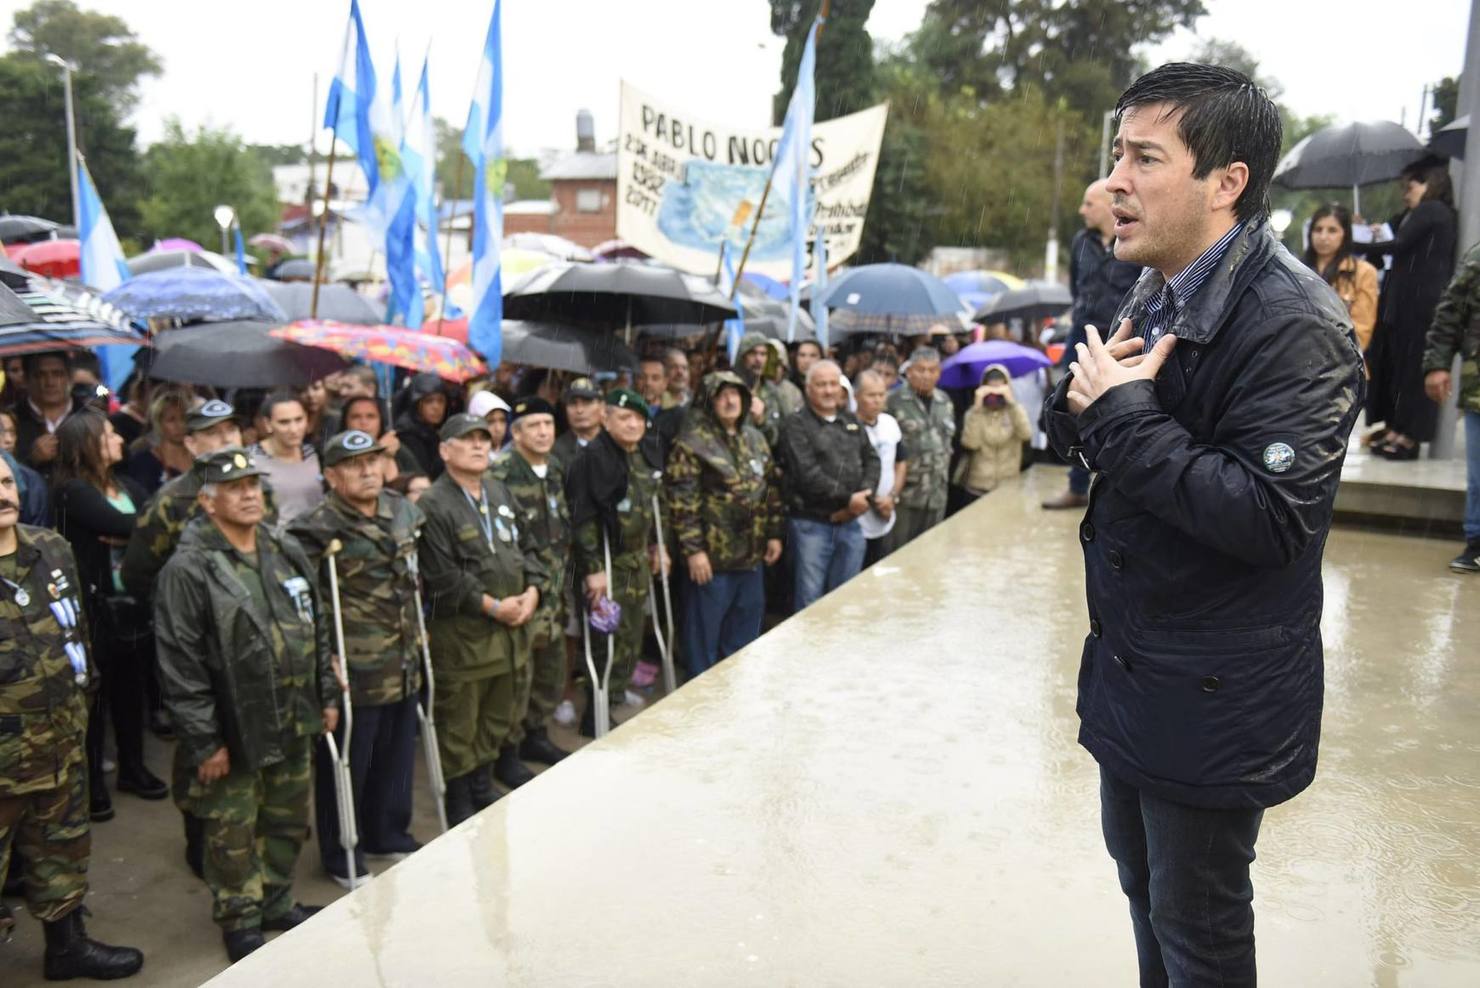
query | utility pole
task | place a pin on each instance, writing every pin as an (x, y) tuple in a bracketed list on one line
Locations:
[(1442, 448), (67, 68)]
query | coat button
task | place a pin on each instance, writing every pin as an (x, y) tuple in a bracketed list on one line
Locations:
[(1117, 561), (1210, 684), (1087, 532), (1094, 627), (1123, 663)]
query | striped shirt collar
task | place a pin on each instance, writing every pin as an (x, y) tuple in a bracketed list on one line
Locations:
[(1164, 306)]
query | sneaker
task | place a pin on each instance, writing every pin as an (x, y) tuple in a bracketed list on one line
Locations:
[(646, 673), (1467, 561), (632, 700), (565, 714)]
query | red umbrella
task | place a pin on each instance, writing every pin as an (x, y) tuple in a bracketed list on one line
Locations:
[(442, 355), (51, 258)]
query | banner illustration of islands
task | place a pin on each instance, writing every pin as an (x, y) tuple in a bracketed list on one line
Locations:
[(685, 185)]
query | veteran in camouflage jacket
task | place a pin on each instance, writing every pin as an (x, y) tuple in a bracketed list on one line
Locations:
[(725, 503), (1456, 330), (928, 421)]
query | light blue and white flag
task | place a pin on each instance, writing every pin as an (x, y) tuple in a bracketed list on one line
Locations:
[(351, 96), (103, 267), (819, 289), (241, 251), (483, 142), (394, 203), (418, 155), (734, 328), (793, 170)]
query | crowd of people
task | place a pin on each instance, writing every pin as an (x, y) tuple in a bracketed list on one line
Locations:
[(244, 573)]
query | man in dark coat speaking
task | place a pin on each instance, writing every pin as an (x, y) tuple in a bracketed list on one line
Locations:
[(1217, 418)]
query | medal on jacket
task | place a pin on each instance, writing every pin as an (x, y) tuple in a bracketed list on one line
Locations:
[(22, 595)]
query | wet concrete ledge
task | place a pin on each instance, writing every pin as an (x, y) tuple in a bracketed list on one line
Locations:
[(1423, 496), (885, 790)]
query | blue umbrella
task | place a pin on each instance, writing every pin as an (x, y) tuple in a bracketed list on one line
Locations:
[(772, 287), (964, 369), (191, 294), (892, 290)]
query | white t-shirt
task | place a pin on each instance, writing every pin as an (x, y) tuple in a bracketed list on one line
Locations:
[(885, 434)]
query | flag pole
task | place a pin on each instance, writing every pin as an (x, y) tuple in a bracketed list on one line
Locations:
[(318, 268), (447, 263)]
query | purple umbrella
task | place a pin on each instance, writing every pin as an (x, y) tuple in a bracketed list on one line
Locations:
[(964, 370), (176, 243)]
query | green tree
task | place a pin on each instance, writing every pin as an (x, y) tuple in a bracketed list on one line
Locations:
[(101, 46), (1446, 103), (845, 58), (280, 154), (190, 174), (33, 146)]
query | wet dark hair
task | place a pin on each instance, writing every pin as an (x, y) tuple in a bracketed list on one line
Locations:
[(1224, 117), (364, 400), (80, 450), (277, 398), (1332, 272), (1437, 186)]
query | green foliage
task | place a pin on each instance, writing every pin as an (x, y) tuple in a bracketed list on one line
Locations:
[(33, 146), (1446, 103), (101, 46), (280, 154), (190, 174), (845, 58), (455, 172)]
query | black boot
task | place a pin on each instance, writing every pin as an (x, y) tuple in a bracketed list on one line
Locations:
[(537, 747), (588, 719), (240, 943), (509, 770), (137, 779), (458, 801), (298, 914), (481, 788), (70, 954)]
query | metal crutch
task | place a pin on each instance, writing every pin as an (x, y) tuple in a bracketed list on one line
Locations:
[(600, 685), (665, 642), (344, 796), (424, 711)]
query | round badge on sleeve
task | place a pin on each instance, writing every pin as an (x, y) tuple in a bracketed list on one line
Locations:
[(1278, 457)]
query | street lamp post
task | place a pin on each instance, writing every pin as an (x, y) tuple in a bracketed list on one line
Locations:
[(67, 69), (225, 216)]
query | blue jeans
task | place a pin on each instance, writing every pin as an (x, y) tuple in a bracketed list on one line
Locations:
[(1185, 870), (1078, 480), (1472, 474), (722, 616), (826, 556)]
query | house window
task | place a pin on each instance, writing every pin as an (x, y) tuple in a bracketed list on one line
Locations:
[(588, 200)]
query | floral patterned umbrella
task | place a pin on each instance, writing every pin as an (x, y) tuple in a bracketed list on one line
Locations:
[(448, 358)]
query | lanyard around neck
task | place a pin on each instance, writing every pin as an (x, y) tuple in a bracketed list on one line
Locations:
[(480, 507)]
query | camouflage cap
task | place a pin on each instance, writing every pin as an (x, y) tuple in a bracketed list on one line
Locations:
[(460, 425), (627, 398), (212, 413), (350, 443), (224, 465), (582, 387), (534, 405)]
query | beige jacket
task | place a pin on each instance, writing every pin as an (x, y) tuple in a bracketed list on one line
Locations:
[(993, 439)]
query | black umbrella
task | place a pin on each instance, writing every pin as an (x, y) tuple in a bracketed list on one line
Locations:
[(35, 319), (620, 294), (17, 229), (569, 348), (892, 290), (238, 355), (763, 314), (1035, 300), (1348, 156), (339, 303), (297, 269), (1449, 140)]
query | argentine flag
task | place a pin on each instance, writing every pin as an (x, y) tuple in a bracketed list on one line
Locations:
[(793, 170), (396, 200), (351, 96), (418, 155), (103, 268), (483, 142), (734, 328)]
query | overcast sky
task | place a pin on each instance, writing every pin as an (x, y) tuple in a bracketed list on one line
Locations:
[(251, 66)]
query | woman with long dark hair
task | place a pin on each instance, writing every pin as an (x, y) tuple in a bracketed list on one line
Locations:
[(96, 508), (1329, 255), (1422, 250)]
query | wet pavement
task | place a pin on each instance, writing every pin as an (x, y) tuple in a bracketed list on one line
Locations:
[(886, 790)]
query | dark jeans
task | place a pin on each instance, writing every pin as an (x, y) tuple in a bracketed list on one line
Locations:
[(1078, 480), (382, 753), (722, 616), (1185, 870)]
